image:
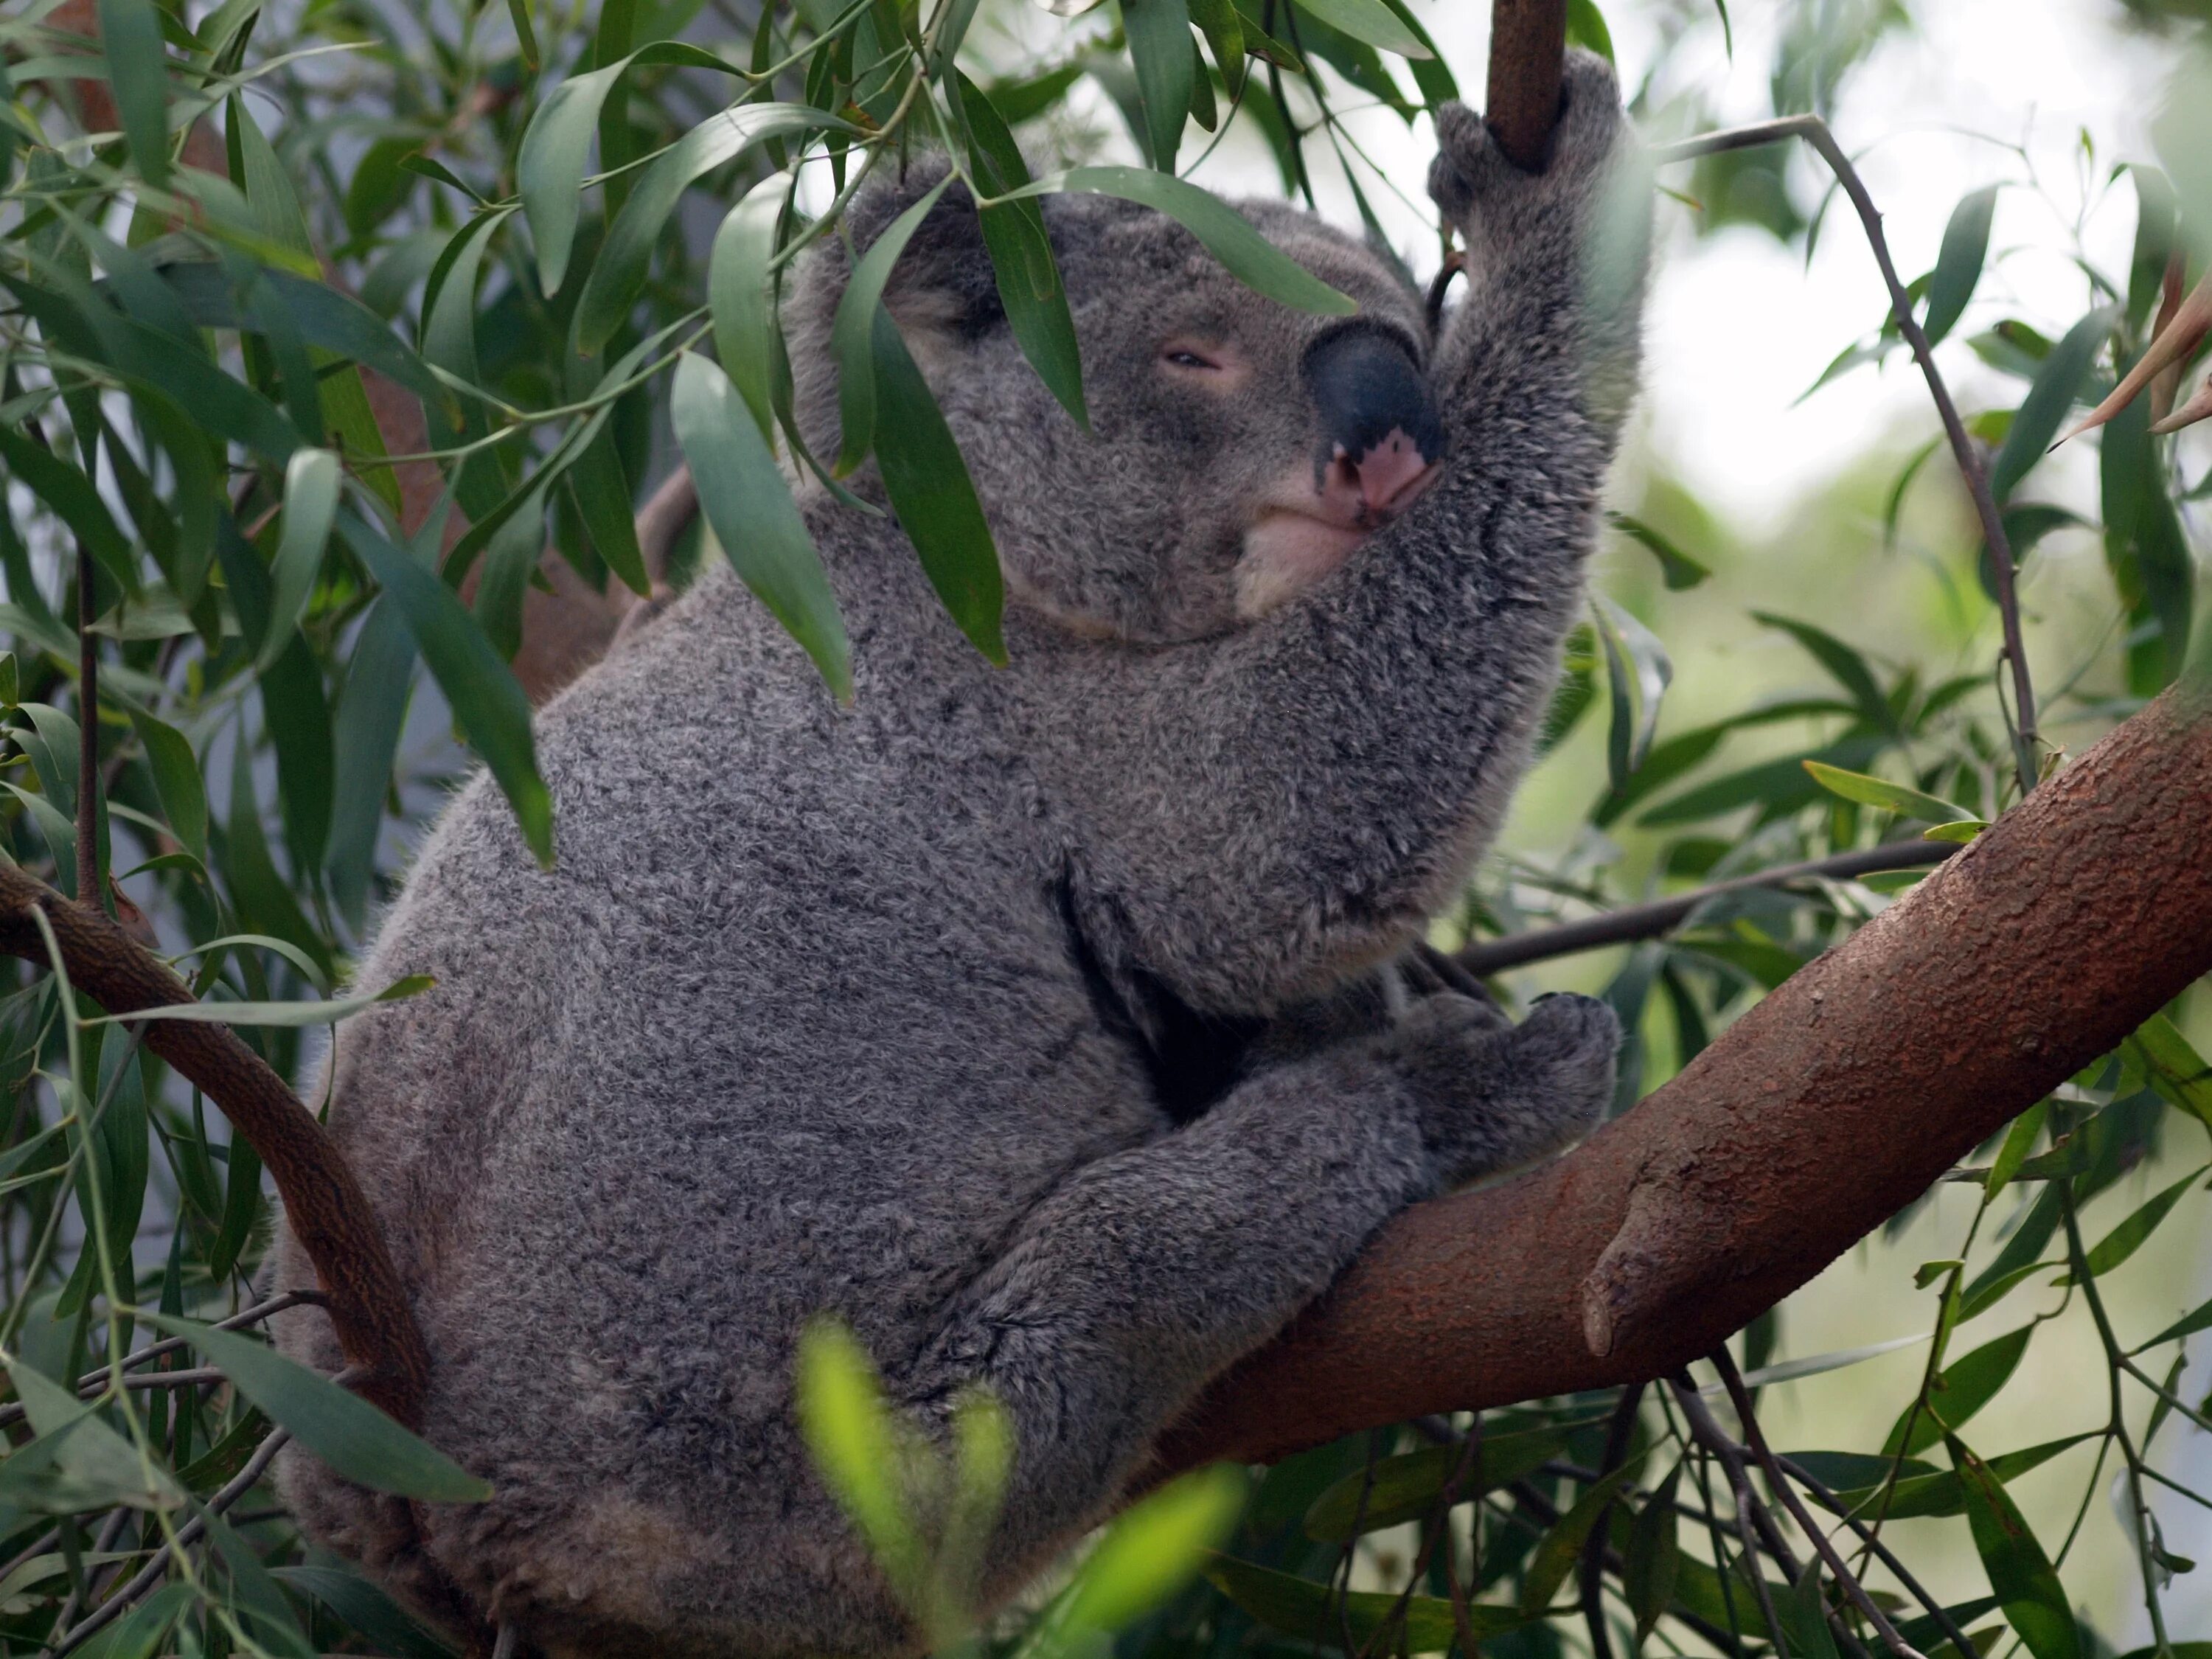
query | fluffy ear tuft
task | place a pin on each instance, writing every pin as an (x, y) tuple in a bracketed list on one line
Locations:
[(942, 282)]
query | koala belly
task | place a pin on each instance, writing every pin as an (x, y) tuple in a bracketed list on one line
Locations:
[(731, 1064)]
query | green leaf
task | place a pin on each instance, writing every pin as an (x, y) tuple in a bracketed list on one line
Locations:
[(1848, 667), (1159, 48), (486, 702), (311, 504), (359, 1442), (2034, 1601), (749, 507), (607, 503), (2018, 1142), (2187, 1326), (366, 1609), (739, 299), (864, 1453), (1890, 796), (1377, 26), (1653, 1559), (1149, 1553), (1559, 1549), (449, 297), (1939, 1492), (1959, 263), (284, 1014), (1315, 1612), (2173, 1067), (1218, 21), (2056, 384), (618, 274), (71, 496), (1406, 1487), (933, 497), (177, 779), (1962, 1388), (1228, 234), (851, 332), (1586, 27), (137, 73), (1638, 671), (1022, 262), (76, 1462), (549, 168), (2124, 1240), (1678, 568)]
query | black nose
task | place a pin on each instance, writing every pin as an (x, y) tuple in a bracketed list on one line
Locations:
[(1365, 385)]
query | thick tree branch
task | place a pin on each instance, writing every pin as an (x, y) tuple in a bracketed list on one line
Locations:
[(323, 1204), (1527, 52), (1821, 1112)]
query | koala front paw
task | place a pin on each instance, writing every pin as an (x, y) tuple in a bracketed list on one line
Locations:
[(1471, 181), (1491, 1094)]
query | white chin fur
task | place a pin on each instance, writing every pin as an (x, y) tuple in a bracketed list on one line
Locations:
[(1284, 554)]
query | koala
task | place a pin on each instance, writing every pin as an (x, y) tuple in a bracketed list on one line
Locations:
[(1035, 1022)]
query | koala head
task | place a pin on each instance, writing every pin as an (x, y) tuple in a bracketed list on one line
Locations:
[(1239, 449)]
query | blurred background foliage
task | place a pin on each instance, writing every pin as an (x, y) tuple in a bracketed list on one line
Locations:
[(340, 341)]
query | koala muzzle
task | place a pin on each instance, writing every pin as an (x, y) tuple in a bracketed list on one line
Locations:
[(1380, 435)]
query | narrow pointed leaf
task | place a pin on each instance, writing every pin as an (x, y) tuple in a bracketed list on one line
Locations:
[(2056, 385), (851, 332), (1890, 796), (749, 507), (1159, 48), (933, 496), (1959, 262), (619, 272), (358, 1441), (1962, 1388), (130, 36), (2034, 1602), (1228, 235), (311, 506), (740, 300), (177, 779), (1371, 22)]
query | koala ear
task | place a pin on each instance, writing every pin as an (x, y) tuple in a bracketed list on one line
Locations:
[(942, 282)]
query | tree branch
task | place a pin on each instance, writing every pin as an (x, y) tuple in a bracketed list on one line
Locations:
[(1820, 1113), (323, 1204), (1527, 52), (1662, 916)]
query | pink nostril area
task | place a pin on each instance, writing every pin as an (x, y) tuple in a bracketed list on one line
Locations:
[(1388, 472)]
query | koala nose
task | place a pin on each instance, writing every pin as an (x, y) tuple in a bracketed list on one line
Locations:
[(1380, 432)]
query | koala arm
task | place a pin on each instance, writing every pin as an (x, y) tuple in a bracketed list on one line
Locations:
[(1323, 779)]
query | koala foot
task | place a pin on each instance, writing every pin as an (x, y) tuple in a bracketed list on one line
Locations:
[(1493, 1094), (1476, 186)]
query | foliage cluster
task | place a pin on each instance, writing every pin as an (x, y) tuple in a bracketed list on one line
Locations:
[(323, 321)]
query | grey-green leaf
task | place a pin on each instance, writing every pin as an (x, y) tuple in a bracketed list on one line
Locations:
[(1228, 235), (177, 779), (311, 505), (1371, 22), (486, 700), (1958, 264), (933, 496), (852, 333), (749, 506), (1159, 48), (739, 299), (358, 1441), (131, 35), (2056, 385), (619, 271)]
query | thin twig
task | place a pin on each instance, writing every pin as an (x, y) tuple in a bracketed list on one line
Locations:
[(1882, 1552), (1815, 131), (1640, 921), (90, 1385), (1817, 1535), (1749, 1512), (1617, 1434), (156, 1570), (87, 738)]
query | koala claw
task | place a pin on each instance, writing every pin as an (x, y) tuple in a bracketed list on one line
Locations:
[(1492, 1095), (1470, 171)]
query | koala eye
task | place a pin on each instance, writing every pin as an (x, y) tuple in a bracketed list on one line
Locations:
[(1183, 356)]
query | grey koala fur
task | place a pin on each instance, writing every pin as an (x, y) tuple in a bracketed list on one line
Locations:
[(1029, 1020)]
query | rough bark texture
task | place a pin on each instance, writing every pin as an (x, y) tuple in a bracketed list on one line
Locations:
[(325, 1206), (1527, 46), (1821, 1112)]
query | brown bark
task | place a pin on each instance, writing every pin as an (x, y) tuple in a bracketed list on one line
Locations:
[(323, 1202), (1528, 50), (1824, 1110)]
